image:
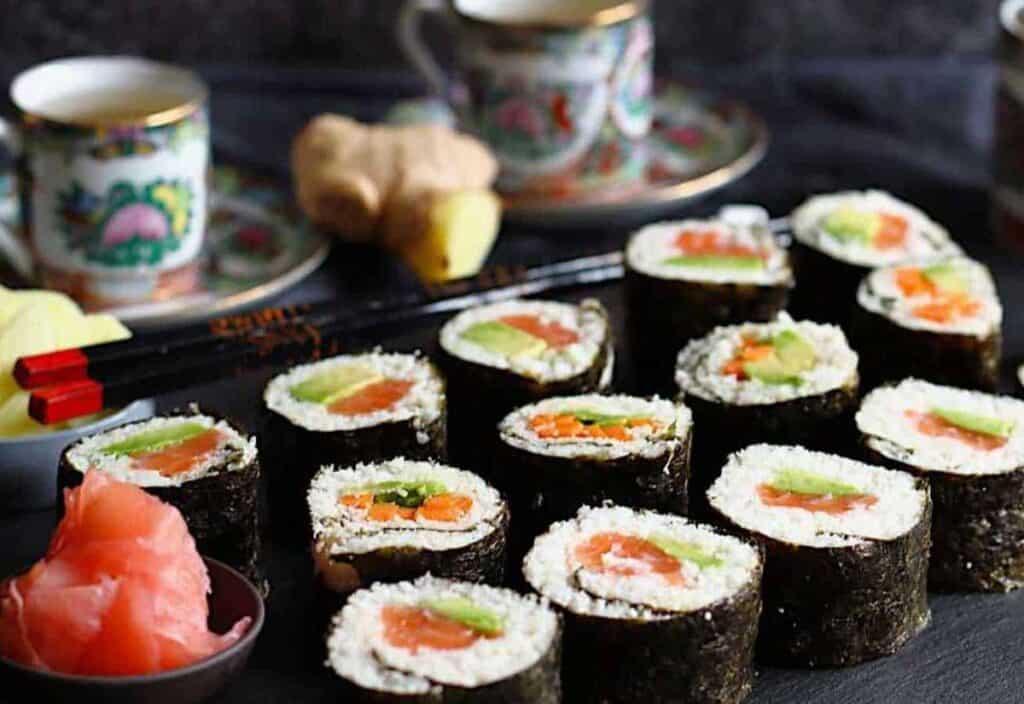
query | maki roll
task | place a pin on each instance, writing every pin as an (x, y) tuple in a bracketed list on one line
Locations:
[(434, 641), (940, 320), (656, 608), (562, 453), (683, 279), (792, 382), (970, 446), (500, 356), (841, 237), (846, 544), (344, 410), (205, 467), (400, 519)]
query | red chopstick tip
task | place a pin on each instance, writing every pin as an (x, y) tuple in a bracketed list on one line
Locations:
[(54, 404), (50, 368)]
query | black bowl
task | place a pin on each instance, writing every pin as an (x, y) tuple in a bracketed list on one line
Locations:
[(232, 597)]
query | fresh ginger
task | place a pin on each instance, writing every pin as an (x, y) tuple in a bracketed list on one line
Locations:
[(423, 191)]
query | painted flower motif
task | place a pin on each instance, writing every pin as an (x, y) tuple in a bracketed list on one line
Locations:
[(140, 220), (519, 115)]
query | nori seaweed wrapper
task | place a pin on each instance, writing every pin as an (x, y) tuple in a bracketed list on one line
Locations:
[(977, 528), (703, 656), (826, 287), (538, 684), (662, 315), (890, 352), (839, 606), (222, 510), (293, 455)]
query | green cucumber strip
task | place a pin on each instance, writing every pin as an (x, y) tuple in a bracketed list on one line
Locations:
[(155, 439), (798, 481), (986, 425), (464, 611), (691, 552), (335, 383), (407, 494), (503, 338), (716, 261)]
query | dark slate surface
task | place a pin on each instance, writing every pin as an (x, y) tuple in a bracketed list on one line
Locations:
[(920, 129)]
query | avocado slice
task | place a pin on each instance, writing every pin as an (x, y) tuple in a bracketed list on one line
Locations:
[(502, 338), (717, 261), (407, 494), (986, 425), (594, 418), (335, 383), (946, 277), (464, 611), (792, 356), (797, 481), (155, 439), (691, 552), (848, 224)]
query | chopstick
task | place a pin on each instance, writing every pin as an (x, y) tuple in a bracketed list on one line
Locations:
[(73, 383)]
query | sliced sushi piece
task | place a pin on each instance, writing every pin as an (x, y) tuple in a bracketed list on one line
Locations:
[(840, 237), (202, 465), (436, 640), (846, 552), (400, 519), (657, 608), (793, 382), (970, 446), (687, 277), (569, 451), (500, 356), (344, 410), (938, 320)]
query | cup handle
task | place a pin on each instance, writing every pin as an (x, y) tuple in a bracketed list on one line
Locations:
[(415, 49), (12, 248)]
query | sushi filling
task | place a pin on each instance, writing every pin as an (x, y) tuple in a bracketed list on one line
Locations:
[(619, 563), (591, 424), (540, 340), (869, 228), (942, 428), (815, 499), (708, 250), (766, 362), (953, 295), (165, 451), (413, 636), (358, 391)]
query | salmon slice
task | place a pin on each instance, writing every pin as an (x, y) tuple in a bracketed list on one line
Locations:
[(412, 628), (363, 501), (751, 350), (565, 425), (893, 232), (378, 396), (121, 590), (936, 426), (447, 508), (628, 555), (835, 505), (385, 512), (947, 308), (912, 282), (181, 456), (552, 333), (693, 242)]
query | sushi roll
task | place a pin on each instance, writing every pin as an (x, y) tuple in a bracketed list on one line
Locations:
[(841, 237), (791, 382), (204, 466), (400, 519), (970, 446), (436, 641), (683, 279), (501, 356), (846, 543), (938, 320), (345, 410), (656, 608), (565, 452)]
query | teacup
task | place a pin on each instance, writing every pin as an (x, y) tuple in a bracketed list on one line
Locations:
[(560, 91), (112, 167)]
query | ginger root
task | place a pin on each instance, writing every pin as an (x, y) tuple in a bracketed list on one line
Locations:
[(423, 191)]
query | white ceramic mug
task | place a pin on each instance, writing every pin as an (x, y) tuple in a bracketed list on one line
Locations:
[(113, 199)]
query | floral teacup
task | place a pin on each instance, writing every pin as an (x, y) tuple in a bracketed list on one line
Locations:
[(112, 161)]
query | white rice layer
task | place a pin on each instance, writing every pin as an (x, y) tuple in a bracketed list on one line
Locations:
[(925, 238), (899, 507), (553, 569), (884, 421), (880, 294), (652, 245), (674, 423), (588, 320), (359, 652), (700, 363), (234, 452), (423, 404), (343, 530)]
